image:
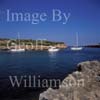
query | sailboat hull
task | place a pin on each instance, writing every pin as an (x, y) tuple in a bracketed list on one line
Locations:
[(53, 50), (17, 50), (76, 48)]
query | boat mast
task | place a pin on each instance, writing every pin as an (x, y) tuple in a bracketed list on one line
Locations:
[(19, 40), (77, 39)]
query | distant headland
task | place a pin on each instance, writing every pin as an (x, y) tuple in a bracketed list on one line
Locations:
[(94, 46), (29, 44)]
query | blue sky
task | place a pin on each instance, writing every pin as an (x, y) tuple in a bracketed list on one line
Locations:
[(84, 19)]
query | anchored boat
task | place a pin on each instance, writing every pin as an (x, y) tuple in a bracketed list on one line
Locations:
[(76, 47), (19, 49), (53, 49)]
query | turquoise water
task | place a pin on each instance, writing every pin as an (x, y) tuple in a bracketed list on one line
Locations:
[(47, 65)]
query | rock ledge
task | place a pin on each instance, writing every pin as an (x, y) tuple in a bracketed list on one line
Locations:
[(83, 84)]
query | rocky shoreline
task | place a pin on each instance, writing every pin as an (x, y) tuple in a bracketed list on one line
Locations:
[(84, 84), (28, 44)]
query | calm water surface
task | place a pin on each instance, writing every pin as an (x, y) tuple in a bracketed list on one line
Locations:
[(47, 65)]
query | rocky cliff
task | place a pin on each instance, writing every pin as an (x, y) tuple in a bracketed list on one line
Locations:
[(84, 84)]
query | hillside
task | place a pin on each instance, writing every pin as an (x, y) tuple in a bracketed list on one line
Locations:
[(30, 44)]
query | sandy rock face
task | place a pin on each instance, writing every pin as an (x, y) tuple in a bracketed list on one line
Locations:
[(83, 84)]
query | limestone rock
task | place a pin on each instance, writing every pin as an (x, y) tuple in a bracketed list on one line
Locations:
[(83, 84)]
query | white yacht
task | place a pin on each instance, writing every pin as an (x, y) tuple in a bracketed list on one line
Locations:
[(76, 47), (18, 49), (53, 49)]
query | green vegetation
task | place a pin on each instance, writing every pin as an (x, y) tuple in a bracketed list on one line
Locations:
[(3, 42)]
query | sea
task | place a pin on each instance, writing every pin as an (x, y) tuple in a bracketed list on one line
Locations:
[(44, 64)]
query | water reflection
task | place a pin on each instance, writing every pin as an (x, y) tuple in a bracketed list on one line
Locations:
[(53, 60), (53, 55)]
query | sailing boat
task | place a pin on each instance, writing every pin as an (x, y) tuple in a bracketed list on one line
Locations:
[(53, 49), (76, 48), (19, 49)]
